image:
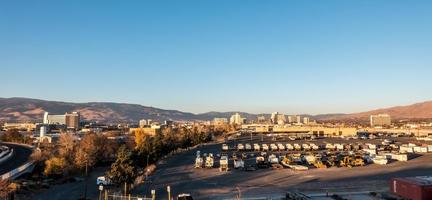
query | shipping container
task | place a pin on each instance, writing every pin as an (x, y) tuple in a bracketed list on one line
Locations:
[(414, 188)]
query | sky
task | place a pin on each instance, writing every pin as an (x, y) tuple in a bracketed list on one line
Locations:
[(255, 56)]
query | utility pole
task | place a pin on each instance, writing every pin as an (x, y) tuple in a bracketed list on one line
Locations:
[(153, 193), (86, 178)]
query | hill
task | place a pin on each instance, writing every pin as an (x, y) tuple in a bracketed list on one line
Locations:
[(26, 109), (415, 111)]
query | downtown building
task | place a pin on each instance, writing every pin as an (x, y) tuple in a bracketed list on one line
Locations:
[(380, 120), (70, 120)]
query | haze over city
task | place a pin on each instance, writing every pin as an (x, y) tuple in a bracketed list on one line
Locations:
[(200, 56)]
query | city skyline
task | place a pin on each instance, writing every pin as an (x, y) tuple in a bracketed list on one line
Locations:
[(291, 57)]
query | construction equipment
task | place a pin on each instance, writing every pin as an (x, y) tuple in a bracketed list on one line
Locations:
[(346, 162), (320, 165), (358, 161)]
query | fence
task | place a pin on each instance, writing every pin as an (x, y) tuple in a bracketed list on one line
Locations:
[(122, 197)]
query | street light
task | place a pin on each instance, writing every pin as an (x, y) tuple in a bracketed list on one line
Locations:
[(169, 192), (153, 193)]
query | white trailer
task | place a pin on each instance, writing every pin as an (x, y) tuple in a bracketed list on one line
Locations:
[(223, 163)]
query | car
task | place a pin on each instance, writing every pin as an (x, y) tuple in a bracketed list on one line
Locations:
[(184, 197)]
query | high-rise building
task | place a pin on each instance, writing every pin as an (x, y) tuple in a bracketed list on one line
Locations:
[(306, 120), (298, 119), (71, 120), (237, 119), (380, 120), (277, 118)]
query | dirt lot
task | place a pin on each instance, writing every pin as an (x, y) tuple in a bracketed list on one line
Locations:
[(178, 172)]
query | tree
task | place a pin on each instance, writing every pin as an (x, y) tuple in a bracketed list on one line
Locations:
[(54, 166), (123, 169), (12, 135), (5, 190), (89, 151), (67, 146), (140, 136)]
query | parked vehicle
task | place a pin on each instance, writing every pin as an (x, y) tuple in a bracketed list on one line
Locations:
[(257, 147), (223, 163), (209, 161), (225, 147), (103, 180), (265, 147)]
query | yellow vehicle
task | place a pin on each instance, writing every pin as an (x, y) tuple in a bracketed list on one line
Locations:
[(346, 161)]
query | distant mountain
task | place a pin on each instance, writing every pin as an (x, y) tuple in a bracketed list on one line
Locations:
[(415, 111), (26, 109)]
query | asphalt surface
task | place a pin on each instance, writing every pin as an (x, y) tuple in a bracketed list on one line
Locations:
[(178, 172), (20, 157), (74, 190)]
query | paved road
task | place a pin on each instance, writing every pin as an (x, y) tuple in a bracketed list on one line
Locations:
[(73, 191), (178, 172), (20, 157)]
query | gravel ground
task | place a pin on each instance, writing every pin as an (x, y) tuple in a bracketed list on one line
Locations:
[(178, 172)]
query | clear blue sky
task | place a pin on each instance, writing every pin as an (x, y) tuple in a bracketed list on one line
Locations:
[(197, 56)]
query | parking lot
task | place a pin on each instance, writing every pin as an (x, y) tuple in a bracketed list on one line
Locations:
[(179, 172)]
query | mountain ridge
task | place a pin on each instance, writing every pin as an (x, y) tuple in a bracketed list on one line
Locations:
[(29, 109)]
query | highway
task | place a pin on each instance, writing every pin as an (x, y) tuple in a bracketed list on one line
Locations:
[(20, 157)]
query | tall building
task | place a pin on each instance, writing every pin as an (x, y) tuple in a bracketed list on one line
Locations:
[(277, 118), (306, 120), (298, 119), (380, 120), (237, 119), (71, 120)]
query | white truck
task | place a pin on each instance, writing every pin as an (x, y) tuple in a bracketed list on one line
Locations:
[(199, 162), (281, 147), (248, 147), (103, 180), (223, 163), (238, 164), (257, 147), (240, 147), (265, 147)]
